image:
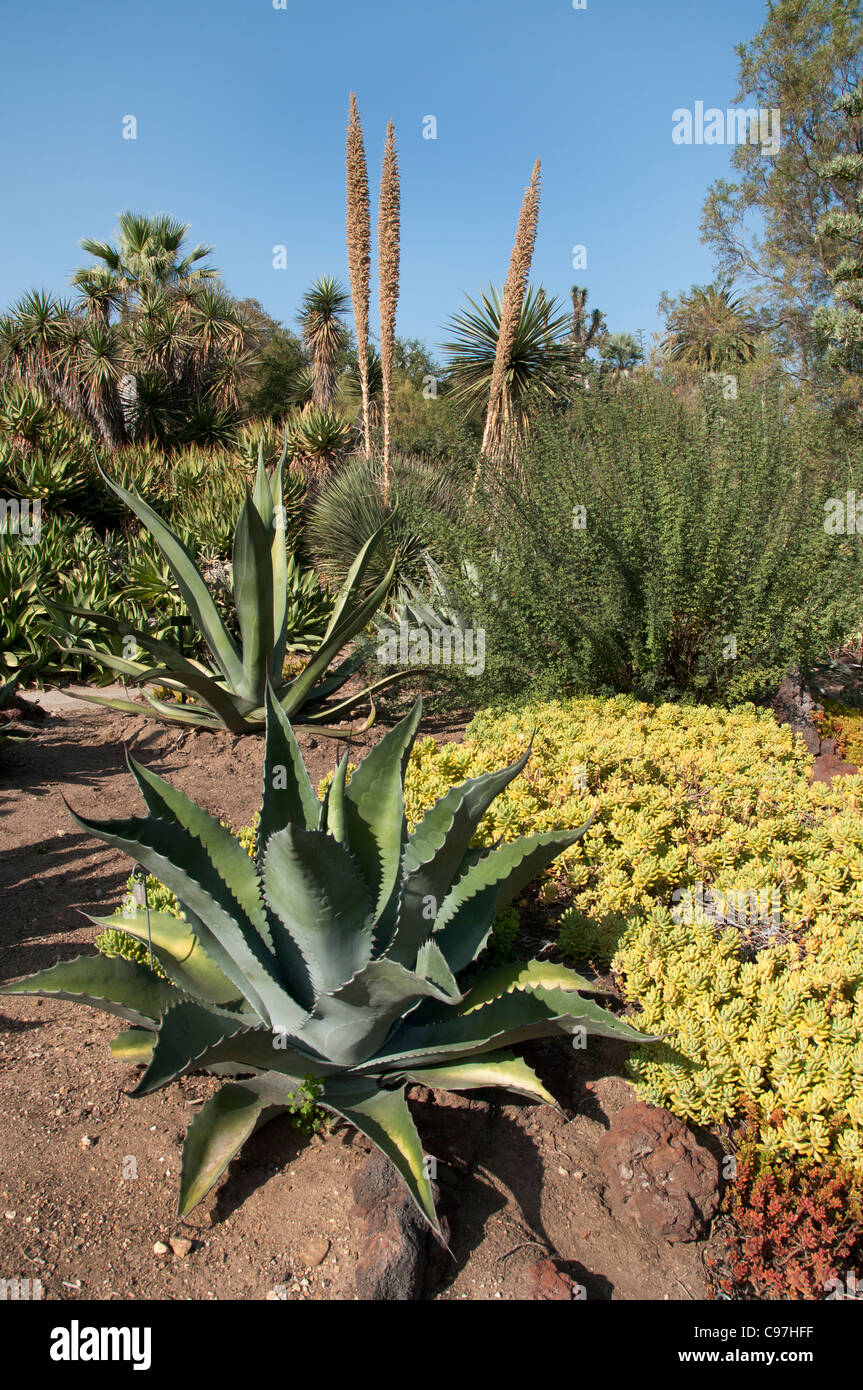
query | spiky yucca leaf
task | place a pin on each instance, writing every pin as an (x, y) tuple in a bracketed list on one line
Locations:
[(331, 955)]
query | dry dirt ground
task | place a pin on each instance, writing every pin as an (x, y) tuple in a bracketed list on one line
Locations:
[(89, 1177)]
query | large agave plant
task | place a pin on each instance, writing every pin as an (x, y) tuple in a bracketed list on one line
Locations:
[(230, 692), (333, 955)]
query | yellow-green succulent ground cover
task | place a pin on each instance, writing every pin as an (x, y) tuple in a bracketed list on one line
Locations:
[(682, 796), (764, 1019)]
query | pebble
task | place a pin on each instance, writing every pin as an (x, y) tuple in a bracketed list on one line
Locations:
[(160, 1248), (315, 1253), (180, 1246)]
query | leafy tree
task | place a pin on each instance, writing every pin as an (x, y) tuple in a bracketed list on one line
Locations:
[(841, 324), (763, 227), (270, 389), (414, 361), (147, 255)]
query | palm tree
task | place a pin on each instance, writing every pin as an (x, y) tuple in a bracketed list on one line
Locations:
[(324, 335), (151, 340), (620, 352), (535, 354), (147, 253), (711, 329)]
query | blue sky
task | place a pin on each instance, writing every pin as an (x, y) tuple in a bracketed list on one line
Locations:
[(241, 112)]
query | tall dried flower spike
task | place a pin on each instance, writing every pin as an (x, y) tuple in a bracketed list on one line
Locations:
[(359, 238), (496, 437), (388, 261)]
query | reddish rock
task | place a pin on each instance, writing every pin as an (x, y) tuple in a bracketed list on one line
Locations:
[(543, 1281), (793, 704), (658, 1174)]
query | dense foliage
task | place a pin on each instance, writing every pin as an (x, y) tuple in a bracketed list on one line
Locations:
[(754, 1013), (651, 546)]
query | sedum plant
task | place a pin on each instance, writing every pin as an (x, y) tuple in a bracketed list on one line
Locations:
[(229, 692), (332, 956)]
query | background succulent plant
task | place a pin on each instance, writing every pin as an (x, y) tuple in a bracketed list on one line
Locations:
[(330, 956), (229, 692)]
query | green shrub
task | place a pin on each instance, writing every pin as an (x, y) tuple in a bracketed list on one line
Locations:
[(649, 546)]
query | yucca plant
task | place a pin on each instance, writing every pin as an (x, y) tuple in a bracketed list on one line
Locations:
[(331, 956), (229, 692)]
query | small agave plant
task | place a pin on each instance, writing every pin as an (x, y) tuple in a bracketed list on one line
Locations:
[(332, 955), (229, 693)]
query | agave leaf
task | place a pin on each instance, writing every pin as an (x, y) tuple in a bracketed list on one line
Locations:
[(288, 795), (317, 892), (178, 951), (130, 707), (190, 713), (374, 808), (115, 985), (115, 663), (465, 918), (233, 864), (542, 974), (334, 681), (436, 850), (383, 1116), (190, 582), (502, 1069), (217, 1132), (333, 809), (509, 1019), (189, 672), (353, 583), (134, 1046), (279, 555), (431, 965), (349, 1024), (192, 1037), (330, 646), (182, 864), (253, 597), (346, 707), (262, 496)]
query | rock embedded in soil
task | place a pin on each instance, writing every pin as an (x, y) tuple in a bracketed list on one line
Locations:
[(315, 1253), (543, 1281), (396, 1247), (793, 705), (658, 1174)]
